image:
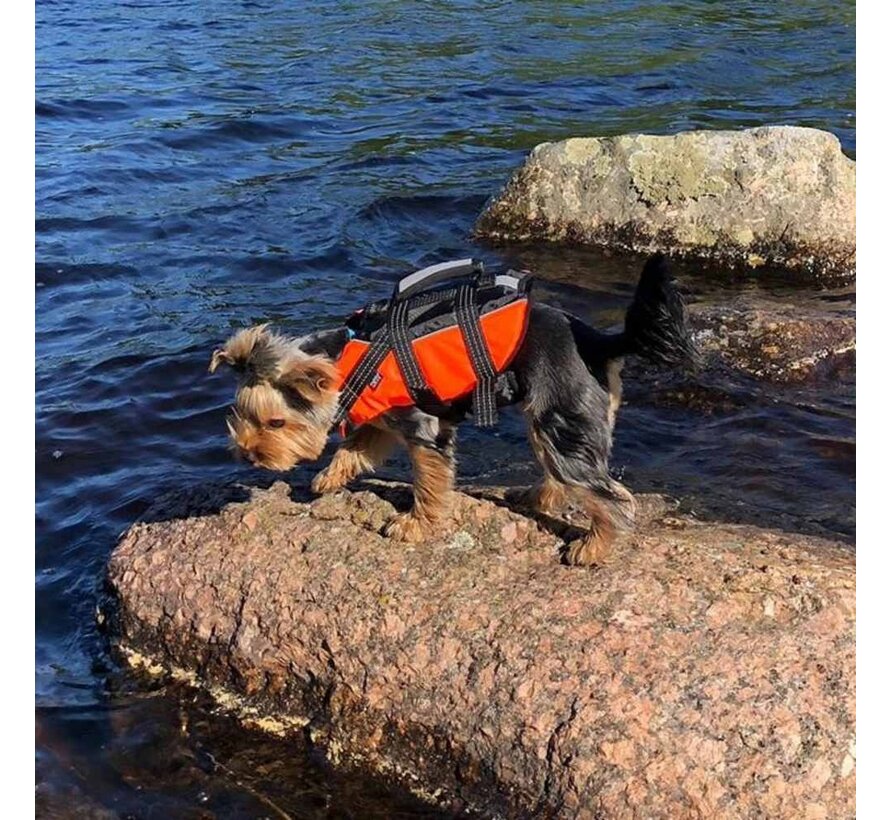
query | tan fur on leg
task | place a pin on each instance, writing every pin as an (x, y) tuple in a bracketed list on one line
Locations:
[(547, 496), (595, 547), (433, 484), (360, 453), (407, 527), (613, 378)]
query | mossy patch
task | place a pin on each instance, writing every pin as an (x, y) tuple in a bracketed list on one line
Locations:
[(671, 179)]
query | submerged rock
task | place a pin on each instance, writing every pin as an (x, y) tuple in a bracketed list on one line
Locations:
[(779, 343), (706, 670), (779, 196)]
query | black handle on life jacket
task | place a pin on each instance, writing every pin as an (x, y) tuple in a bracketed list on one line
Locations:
[(435, 274)]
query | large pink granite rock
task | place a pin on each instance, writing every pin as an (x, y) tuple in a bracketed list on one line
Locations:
[(706, 671)]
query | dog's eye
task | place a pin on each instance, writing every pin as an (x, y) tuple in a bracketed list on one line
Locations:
[(276, 423)]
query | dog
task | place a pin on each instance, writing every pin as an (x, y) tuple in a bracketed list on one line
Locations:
[(565, 376)]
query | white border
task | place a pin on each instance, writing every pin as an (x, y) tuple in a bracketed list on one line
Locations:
[(17, 614), (872, 409), (17, 49)]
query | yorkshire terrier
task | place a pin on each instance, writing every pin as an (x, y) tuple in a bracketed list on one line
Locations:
[(565, 377)]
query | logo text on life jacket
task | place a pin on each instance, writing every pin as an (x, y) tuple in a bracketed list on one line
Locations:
[(378, 377)]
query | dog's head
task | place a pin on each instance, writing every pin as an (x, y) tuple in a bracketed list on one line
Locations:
[(285, 401)]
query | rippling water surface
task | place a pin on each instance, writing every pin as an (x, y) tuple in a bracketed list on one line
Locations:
[(201, 166)]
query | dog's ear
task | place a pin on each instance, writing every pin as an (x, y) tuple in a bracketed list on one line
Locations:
[(249, 351), (312, 378)]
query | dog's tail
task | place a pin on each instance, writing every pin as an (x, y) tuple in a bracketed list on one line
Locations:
[(656, 326)]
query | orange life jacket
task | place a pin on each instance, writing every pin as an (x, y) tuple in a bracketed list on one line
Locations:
[(439, 349)]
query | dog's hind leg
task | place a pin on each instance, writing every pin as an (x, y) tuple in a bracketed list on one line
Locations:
[(361, 452), (613, 376), (546, 496), (433, 468), (593, 548), (573, 450), (610, 507)]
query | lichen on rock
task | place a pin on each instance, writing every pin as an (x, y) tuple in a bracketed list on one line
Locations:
[(777, 196)]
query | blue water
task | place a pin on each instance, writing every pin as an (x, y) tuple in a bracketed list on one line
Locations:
[(204, 166)]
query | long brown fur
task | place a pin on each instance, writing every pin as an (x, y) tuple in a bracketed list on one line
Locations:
[(362, 451), (547, 496), (267, 426), (596, 546), (433, 485)]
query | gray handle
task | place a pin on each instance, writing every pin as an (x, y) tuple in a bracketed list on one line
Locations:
[(436, 273)]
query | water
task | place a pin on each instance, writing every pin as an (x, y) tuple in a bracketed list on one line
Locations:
[(204, 166)]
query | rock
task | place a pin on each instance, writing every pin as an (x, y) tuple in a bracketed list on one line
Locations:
[(777, 343), (778, 196), (707, 670)]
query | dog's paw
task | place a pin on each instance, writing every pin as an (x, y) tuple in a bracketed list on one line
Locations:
[(326, 482), (543, 497), (406, 527), (587, 552)]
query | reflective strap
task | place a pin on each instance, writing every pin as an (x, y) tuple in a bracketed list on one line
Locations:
[(467, 312), (397, 335), (400, 337), (361, 376)]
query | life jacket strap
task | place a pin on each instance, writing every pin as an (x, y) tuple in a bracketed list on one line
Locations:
[(400, 339), (466, 311), (396, 336), (361, 376)]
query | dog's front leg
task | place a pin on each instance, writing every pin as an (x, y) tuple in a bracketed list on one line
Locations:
[(361, 452), (433, 469)]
